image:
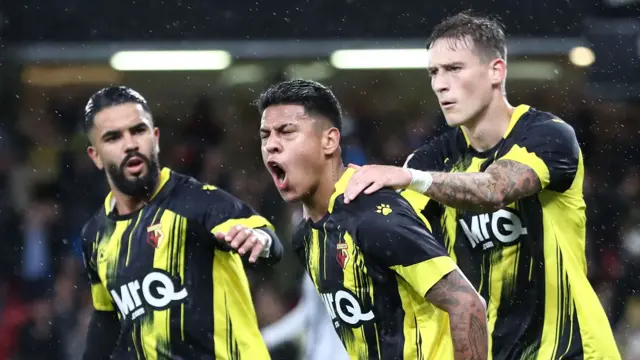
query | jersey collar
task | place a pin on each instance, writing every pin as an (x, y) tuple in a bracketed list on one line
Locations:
[(340, 187), (517, 114)]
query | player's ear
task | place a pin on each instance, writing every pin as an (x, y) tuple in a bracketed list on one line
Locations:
[(93, 154), (497, 71), (156, 136), (331, 141)]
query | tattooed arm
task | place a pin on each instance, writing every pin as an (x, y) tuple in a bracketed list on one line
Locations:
[(467, 315), (503, 183)]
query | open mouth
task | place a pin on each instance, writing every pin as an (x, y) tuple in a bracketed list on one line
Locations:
[(278, 173), (135, 165)]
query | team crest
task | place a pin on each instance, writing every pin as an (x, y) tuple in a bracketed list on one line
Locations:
[(342, 255), (155, 235)]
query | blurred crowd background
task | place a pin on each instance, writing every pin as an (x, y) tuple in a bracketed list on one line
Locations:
[(573, 59)]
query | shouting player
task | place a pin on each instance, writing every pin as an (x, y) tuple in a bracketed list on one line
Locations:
[(391, 290), (163, 253), (506, 186)]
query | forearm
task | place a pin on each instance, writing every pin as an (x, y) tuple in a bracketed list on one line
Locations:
[(479, 192), (102, 335), (502, 183), (469, 332), (467, 315)]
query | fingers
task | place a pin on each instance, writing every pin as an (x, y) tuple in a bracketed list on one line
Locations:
[(358, 182), (255, 252), (243, 240), (373, 188), (240, 238)]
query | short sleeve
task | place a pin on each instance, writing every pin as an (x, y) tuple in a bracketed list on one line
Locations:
[(224, 211), (395, 235), (99, 294), (551, 149)]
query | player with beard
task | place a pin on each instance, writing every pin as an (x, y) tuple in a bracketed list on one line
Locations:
[(164, 252), (390, 288)]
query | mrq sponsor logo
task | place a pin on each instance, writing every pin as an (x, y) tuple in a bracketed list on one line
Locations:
[(503, 225), (345, 306), (157, 291)]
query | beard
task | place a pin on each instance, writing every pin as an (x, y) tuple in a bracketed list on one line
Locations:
[(140, 187)]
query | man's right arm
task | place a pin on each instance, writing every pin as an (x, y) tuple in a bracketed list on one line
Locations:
[(104, 327), (467, 314)]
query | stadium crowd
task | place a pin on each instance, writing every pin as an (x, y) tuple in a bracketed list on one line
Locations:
[(49, 187)]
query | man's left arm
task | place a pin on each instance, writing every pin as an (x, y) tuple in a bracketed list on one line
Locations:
[(239, 228)]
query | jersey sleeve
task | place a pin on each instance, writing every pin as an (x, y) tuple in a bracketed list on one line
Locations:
[(551, 149), (99, 294), (224, 211), (398, 238)]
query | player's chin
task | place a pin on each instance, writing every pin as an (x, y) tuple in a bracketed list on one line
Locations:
[(289, 195), (454, 121)]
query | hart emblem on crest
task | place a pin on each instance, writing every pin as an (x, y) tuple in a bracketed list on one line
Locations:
[(342, 256), (155, 235)]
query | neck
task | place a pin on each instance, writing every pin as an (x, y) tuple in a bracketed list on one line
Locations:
[(489, 127), (126, 204), (317, 204)]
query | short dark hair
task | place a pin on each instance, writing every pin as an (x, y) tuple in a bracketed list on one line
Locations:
[(313, 96), (108, 97), (486, 33)]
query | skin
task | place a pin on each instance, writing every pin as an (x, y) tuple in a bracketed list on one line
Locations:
[(121, 129), (308, 149), (474, 83)]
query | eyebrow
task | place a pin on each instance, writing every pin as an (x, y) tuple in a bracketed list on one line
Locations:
[(279, 127), (110, 133), (455, 63)]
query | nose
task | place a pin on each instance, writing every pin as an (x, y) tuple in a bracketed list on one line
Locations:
[(440, 83), (130, 143), (273, 145)]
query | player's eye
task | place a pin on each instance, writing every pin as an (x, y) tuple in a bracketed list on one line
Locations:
[(139, 130)]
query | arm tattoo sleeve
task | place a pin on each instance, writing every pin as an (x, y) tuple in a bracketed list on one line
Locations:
[(467, 315), (503, 183)]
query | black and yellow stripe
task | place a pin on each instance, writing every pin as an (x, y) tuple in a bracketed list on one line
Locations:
[(216, 320), (386, 315), (539, 301)]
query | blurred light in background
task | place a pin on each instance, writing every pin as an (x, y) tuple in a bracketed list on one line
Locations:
[(380, 59), (170, 60), (51, 76), (533, 70), (313, 71), (582, 56)]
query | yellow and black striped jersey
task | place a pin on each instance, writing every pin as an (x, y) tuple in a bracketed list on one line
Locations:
[(179, 293), (528, 259), (373, 261)]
